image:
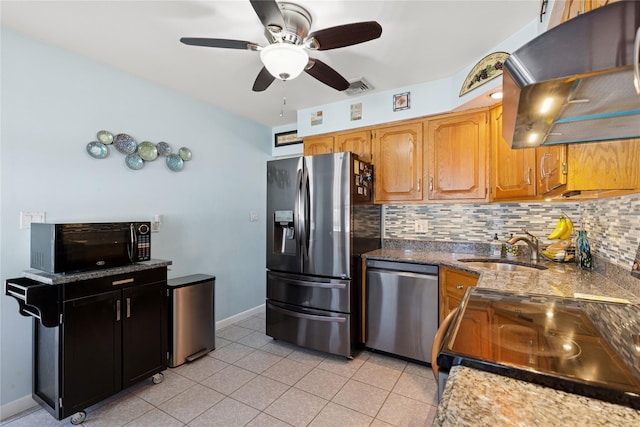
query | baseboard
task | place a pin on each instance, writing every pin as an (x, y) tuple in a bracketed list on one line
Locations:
[(240, 316), (10, 409)]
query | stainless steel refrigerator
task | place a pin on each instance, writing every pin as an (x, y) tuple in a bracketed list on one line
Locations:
[(320, 219)]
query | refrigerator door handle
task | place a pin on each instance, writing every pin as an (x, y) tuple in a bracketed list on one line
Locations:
[(297, 215), (305, 221), (308, 316)]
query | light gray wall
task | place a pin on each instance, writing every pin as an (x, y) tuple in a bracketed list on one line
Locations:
[(53, 103)]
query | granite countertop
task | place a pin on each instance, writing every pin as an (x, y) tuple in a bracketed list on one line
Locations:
[(60, 278), (473, 397), (560, 279)]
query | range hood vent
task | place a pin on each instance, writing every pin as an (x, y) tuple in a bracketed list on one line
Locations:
[(575, 83)]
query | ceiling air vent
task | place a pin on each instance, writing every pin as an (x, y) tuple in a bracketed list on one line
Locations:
[(358, 86)]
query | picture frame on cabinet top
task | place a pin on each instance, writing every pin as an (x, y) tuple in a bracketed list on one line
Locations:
[(287, 138)]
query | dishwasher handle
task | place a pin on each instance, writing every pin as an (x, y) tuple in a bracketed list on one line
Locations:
[(402, 266)]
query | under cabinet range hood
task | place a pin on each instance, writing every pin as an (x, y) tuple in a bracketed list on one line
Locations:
[(575, 82)]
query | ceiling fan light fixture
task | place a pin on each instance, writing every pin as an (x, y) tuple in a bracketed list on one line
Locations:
[(284, 61)]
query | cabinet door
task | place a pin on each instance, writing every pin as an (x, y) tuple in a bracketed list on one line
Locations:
[(397, 156), (515, 341), (573, 8), (453, 284), (91, 359), (322, 144), (604, 165), (144, 332), (457, 153), (356, 142), (552, 168), (513, 172)]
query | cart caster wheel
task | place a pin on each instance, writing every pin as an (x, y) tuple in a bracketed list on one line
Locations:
[(78, 418), (157, 378)]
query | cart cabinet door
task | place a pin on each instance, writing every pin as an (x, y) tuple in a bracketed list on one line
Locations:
[(92, 351), (144, 332)]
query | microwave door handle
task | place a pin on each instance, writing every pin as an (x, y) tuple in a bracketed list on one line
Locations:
[(133, 242)]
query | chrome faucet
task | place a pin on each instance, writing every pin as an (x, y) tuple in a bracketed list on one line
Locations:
[(531, 241)]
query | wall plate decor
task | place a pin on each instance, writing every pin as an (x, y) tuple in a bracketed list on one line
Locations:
[(486, 69), (356, 111), (97, 150), (139, 154), (287, 138), (401, 101)]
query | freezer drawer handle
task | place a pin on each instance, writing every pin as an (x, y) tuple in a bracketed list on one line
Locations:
[(309, 316), (314, 284)]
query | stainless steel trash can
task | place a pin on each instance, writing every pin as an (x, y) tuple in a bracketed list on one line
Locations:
[(192, 317)]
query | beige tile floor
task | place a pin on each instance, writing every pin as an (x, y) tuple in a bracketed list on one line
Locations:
[(252, 380)]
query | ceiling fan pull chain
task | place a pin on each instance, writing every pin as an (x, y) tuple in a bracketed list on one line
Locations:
[(284, 98)]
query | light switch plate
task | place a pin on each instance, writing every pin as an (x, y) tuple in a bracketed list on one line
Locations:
[(26, 218), (253, 216)]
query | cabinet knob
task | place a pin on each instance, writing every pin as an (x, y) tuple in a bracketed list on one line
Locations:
[(459, 286)]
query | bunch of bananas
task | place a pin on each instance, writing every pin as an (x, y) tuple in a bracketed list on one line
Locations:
[(563, 250), (563, 229)]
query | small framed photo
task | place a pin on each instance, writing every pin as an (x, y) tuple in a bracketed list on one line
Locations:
[(401, 101), (287, 138)]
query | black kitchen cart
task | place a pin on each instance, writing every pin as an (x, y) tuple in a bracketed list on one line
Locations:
[(94, 333)]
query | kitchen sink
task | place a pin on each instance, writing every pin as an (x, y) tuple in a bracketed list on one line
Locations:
[(502, 264)]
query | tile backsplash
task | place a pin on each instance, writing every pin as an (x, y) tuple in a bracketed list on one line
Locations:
[(612, 225)]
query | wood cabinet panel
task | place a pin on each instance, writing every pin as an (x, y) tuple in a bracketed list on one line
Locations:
[(457, 156), (358, 143), (604, 165), (322, 144), (453, 284), (397, 159), (513, 173), (552, 168)]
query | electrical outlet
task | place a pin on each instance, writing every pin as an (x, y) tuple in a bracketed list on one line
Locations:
[(253, 216), (421, 226), (26, 218)]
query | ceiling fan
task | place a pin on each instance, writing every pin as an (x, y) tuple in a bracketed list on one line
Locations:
[(286, 27)]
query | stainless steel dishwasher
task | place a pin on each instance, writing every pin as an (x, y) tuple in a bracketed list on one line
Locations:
[(402, 308)]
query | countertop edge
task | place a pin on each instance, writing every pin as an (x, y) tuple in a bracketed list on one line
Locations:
[(58, 278)]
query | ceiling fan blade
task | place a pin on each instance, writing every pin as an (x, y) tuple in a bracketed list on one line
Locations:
[(263, 81), (224, 43), (327, 75), (345, 35), (269, 13)]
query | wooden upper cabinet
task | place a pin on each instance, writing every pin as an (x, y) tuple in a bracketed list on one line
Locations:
[(457, 156), (358, 143), (513, 171), (604, 165), (397, 159), (573, 8), (322, 144), (552, 168)]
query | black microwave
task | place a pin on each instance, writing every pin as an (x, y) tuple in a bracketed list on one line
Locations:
[(66, 248)]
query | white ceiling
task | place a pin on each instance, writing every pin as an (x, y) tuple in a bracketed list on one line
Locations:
[(421, 41)]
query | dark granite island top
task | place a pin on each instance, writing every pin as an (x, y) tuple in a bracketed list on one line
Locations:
[(60, 278)]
